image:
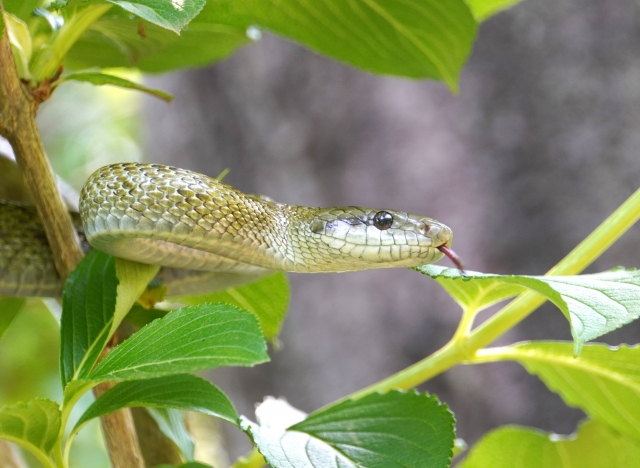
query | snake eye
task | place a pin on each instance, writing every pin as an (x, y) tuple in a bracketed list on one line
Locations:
[(383, 220)]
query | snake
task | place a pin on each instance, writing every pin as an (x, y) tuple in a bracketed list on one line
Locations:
[(208, 235)]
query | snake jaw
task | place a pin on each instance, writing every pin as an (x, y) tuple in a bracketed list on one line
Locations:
[(453, 256)]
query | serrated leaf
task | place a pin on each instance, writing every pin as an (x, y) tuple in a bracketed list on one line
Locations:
[(604, 382), (594, 446), (484, 9), (118, 40), (413, 38), (389, 430), (594, 304), (169, 14), (34, 425), (9, 308), (186, 340), (267, 298), (171, 424), (90, 311), (100, 79), (185, 392), (474, 291)]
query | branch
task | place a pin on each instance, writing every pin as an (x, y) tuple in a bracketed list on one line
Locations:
[(18, 106)]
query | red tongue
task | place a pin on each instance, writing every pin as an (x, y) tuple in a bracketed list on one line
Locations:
[(453, 256)]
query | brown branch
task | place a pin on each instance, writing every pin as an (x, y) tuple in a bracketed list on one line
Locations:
[(18, 107), (120, 435)]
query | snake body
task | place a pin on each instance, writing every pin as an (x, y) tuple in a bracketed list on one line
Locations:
[(184, 220)]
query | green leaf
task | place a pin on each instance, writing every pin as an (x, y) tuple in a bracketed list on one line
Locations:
[(414, 38), (185, 392), (20, 39), (186, 340), (389, 430), (9, 308), (594, 304), (475, 291), (169, 14), (99, 79), (139, 316), (34, 425), (90, 311), (594, 446), (171, 424), (603, 381), (267, 298), (119, 40), (483, 9)]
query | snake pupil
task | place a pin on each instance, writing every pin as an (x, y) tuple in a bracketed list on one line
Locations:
[(383, 220)]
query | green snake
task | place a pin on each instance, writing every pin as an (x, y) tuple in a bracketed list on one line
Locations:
[(198, 227)]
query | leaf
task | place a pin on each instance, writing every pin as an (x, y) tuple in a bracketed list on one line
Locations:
[(186, 340), (9, 308), (594, 304), (483, 9), (119, 40), (267, 298), (413, 38), (98, 78), (604, 382), (594, 446), (90, 311), (20, 40), (34, 425), (389, 430), (185, 392), (139, 316), (171, 424), (169, 14), (474, 291)]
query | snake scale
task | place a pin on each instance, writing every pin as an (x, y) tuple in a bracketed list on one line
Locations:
[(198, 227)]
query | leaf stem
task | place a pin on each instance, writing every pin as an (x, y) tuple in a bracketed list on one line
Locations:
[(50, 57), (461, 351)]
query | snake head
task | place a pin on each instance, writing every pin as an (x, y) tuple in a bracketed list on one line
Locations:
[(357, 238)]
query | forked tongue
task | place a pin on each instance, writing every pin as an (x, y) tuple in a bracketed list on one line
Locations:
[(453, 256)]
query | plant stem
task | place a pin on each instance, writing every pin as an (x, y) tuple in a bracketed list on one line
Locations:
[(50, 57), (18, 109), (459, 351), (578, 259)]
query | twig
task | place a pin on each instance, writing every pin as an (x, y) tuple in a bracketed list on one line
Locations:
[(18, 108)]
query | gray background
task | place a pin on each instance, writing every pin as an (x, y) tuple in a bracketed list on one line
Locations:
[(539, 147)]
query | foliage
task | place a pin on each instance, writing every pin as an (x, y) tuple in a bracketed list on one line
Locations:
[(379, 426)]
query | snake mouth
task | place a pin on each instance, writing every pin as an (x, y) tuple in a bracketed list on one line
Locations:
[(453, 257)]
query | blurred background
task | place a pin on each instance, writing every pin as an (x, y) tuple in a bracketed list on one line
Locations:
[(541, 144)]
